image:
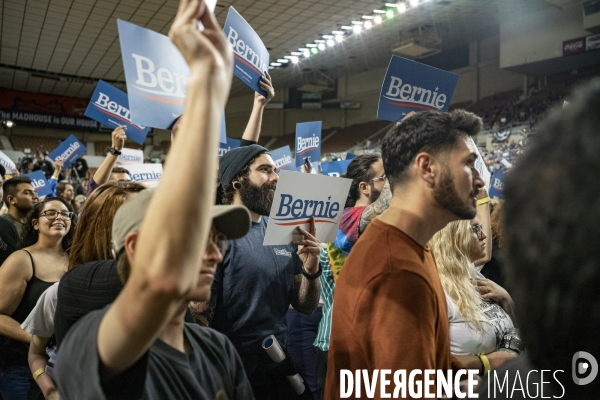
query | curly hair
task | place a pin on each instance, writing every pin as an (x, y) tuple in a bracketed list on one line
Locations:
[(30, 235)]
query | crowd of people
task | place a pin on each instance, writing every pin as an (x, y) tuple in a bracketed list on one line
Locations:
[(169, 293)]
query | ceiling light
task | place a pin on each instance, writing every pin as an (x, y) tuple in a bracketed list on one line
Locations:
[(327, 36), (288, 57), (311, 45), (389, 14), (295, 60), (339, 38), (321, 46), (330, 42), (338, 32), (394, 5), (296, 53), (283, 60), (271, 67), (275, 64), (306, 54), (367, 17), (379, 11), (319, 41), (302, 49), (414, 3), (314, 50), (357, 29), (368, 25), (346, 27), (401, 7), (378, 19), (357, 22)]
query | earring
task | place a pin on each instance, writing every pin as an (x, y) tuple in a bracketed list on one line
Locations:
[(237, 185)]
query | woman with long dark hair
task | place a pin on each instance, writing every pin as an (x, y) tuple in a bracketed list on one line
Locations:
[(24, 276)]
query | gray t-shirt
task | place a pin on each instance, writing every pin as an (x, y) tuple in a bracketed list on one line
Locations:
[(212, 371)]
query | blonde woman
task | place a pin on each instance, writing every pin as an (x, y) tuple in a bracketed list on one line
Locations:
[(475, 306)]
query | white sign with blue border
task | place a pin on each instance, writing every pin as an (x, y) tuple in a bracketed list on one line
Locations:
[(308, 142), (39, 183), (110, 107), (147, 174), (131, 156), (412, 86), (9, 165), (68, 151), (251, 57)]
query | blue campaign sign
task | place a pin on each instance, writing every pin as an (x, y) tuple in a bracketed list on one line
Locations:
[(335, 168), (308, 141), (39, 183), (225, 147), (251, 57), (350, 156), (283, 158), (412, 86), (110, 107), (497, 185), (68, 151)]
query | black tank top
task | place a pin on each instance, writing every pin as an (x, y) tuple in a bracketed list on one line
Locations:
[(14, 352)]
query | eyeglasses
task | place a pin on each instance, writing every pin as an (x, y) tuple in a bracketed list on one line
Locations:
[(478, 229), (51, 215), (219, 240), (381, 178)]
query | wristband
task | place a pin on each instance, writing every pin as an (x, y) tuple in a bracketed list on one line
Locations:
[(312, 276), (486, 363), (483, 201), (37, 373)]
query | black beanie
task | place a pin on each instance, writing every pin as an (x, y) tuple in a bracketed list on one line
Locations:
[(235, 160)]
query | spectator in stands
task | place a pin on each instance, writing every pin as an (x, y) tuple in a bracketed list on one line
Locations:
[(119, 174), (65, 191), (477, 325), (20, 198), (550, 236), (120, 341), (104, 172), (80, 168), (260, 281), (24, 276), (9, 238), (429, 160), (79, 201), (43, 164)]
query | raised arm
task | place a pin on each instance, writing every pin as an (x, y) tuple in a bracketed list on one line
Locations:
[(103, 172), (170, 245), (252, 132), (376, 208)]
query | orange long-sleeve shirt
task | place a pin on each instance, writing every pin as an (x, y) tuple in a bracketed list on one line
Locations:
[(389, 310)]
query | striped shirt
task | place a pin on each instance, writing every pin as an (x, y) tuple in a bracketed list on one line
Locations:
[(327, 286)]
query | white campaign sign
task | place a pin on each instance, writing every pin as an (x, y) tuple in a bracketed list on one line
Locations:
[(146, 174), (299, 197), (8, 164), (480, 166), (131, 156)]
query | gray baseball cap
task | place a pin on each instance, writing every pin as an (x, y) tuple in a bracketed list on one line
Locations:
[(232, 221)]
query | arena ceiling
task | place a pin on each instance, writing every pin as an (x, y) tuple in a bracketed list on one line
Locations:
[(62, 47)]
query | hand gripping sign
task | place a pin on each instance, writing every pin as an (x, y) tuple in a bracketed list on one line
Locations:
[(68, 151), (412, 86), (335, 168), (156, 75), (131, 156), (299, 197), (39, 183), (283, 158), (110, 107), (146, 174), (308, 142), (250, 56)]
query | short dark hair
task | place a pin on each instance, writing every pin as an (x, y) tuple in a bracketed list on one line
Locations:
[(431, 131), (30, 236), (359, 170), (61, 187), (551, 229), (120, 170), (227, 190), (2, 171), (10, 186)]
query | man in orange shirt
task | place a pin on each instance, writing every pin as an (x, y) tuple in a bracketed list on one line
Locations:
[(390, 310)]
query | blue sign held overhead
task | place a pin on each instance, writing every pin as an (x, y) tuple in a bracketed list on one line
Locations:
[(412, 86), (335, 168), (308, 142), (350, 156), (110, 107), (283, 158), (68, 151), (497, 185), (230, 145), (251, 57), (39, 183)]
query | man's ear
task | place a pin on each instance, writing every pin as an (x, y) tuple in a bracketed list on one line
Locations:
[(363, 187), (12, 200), (427, 168), (130, 244)]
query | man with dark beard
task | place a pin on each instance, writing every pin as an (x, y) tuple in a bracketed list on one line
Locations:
[(255, 284), (390, 309), (19, 197)]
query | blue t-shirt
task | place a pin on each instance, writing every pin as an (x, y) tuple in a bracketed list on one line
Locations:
[(253, 289)]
